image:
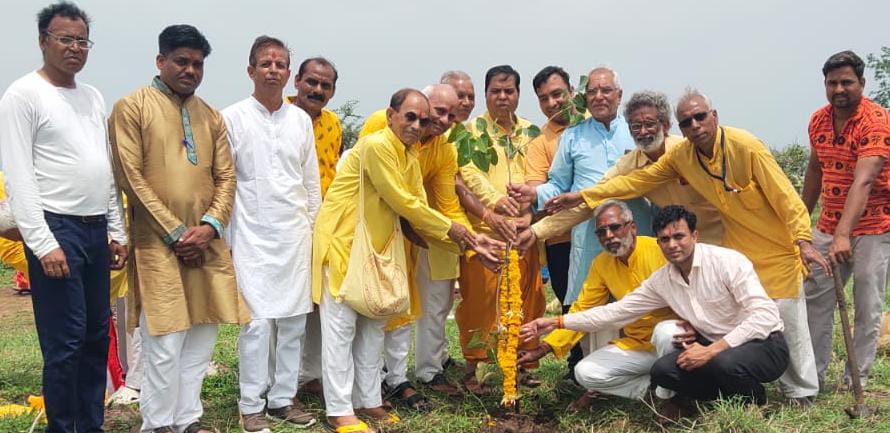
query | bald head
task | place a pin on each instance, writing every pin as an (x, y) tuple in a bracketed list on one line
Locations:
[(408, 115), (466, 93), (443, 101)]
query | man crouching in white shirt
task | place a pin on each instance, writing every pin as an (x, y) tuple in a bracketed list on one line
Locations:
[(740, 344), (276, 201)]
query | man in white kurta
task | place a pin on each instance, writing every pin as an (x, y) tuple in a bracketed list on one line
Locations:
[(276, 201)]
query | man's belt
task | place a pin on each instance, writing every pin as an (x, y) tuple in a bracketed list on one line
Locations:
[(83, 219)]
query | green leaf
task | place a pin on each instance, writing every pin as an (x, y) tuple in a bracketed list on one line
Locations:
[(481, 125), (532, 131), (484, 142), (493, 155), (582, 84), (456, 132), (463, 158), (481, 161), (476, 342), (580, 103)]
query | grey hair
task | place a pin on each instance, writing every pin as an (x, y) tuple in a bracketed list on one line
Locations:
[(433, 89), (649, 98), (450, 76), (625, 210), (689, 93), (608, 68)]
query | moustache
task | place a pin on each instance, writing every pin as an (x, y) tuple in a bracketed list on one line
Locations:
[(315, 97)]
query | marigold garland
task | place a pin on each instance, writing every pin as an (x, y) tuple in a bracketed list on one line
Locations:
[(510, 318)]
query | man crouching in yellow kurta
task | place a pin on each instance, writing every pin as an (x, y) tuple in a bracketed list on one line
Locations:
[(384, 165), (174, 162)]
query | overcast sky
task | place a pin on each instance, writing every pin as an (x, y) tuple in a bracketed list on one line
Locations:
[(759, 61)]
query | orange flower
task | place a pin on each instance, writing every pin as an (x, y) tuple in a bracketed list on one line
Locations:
[(510, 318)]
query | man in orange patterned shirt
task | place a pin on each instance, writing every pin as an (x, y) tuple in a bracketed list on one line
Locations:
[(850, 139), (316, 82)]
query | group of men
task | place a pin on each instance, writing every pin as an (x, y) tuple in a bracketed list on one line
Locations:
[(248, 215)]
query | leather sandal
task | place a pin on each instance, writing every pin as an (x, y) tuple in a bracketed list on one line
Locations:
[(396, 394)]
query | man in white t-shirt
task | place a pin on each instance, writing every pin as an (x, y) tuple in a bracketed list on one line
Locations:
[(63, 197)]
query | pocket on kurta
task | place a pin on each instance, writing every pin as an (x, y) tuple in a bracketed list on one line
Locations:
[(752, 196)]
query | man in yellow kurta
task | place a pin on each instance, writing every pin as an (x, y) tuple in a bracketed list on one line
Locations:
[(621, 367), (649, 117), (477, 312), (316, 82), (386, 164), (174, 162), (434, 268), (763, 216)]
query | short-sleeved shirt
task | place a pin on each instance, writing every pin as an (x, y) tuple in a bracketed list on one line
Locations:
[(865, 134)]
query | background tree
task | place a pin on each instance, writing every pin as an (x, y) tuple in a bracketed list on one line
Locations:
[(793, 159), (350, 122), (880, 64)]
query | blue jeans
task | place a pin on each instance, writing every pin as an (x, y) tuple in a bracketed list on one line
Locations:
[(72, 324)]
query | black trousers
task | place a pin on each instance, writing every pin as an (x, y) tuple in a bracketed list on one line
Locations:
[(558, 264), (737, 371), (72, 316)]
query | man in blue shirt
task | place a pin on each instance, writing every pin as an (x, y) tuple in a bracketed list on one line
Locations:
[(586, 152)]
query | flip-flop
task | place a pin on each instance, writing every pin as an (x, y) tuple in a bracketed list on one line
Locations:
[(360, 427)]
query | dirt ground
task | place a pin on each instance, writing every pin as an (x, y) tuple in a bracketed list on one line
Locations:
[(12, 303)]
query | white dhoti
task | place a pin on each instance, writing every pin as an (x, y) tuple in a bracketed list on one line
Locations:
[(663, 340), (310, 367), (801, 379), (175, 366), (254, 375), (351, 348), (431, 344), (396, 345), (135, 366), (615, 371)]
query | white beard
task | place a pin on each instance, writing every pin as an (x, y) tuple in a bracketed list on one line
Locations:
[(656, 142)]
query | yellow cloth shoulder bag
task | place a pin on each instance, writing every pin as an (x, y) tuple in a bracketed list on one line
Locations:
[(375, 284)]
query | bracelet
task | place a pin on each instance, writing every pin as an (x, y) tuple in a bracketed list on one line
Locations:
[(559, 322)]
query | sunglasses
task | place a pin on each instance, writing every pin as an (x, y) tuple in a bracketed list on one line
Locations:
[(699, 117), (601, 230), (412, 117)]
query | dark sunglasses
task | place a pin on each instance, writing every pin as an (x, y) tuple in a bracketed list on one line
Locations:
[(601, 230), (699, 117), (412, 117)]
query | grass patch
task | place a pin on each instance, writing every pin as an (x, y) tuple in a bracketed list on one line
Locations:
[(20, 369)]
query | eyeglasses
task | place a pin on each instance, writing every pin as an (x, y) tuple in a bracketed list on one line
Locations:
[(699, 117), (412, 117), (601, 230), (69, 41), (637, 127)]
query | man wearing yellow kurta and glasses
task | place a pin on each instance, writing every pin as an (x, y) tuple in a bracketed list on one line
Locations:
[(386, 164), (622, 366), (435, 268), (763, 217)]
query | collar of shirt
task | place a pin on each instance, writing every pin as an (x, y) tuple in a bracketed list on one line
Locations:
[(262, 108), (677, 276), (397, 144), (554, 128), (496, 130)]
